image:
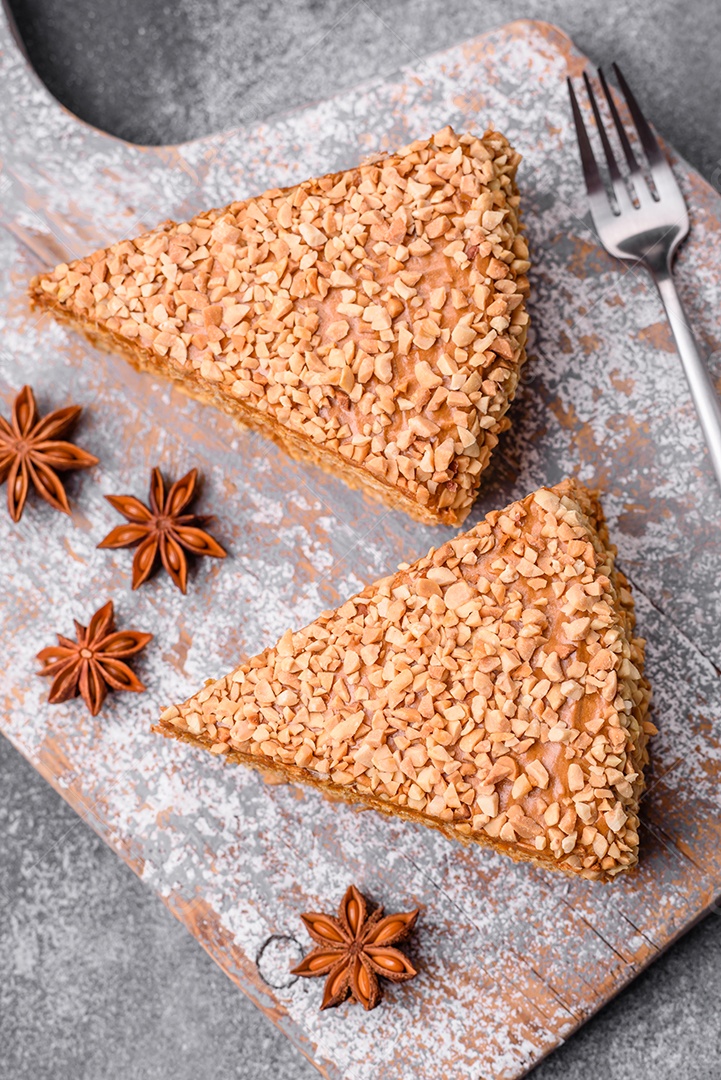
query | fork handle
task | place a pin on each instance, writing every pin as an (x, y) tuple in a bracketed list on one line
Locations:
[(703, 391)]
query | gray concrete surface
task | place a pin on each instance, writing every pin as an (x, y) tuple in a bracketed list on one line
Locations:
[(96, 979)]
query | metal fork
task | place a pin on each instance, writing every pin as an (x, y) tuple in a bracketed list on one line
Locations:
[(645, 224)]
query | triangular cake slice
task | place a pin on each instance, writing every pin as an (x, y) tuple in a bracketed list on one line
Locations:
[(371, 321), (493, 690)]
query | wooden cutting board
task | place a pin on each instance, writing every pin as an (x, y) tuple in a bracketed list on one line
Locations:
[(511, 958)]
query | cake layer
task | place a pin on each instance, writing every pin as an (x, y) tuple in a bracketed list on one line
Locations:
[(371, 320), (493, 690)]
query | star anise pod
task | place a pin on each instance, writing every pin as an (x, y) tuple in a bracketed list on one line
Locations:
[(162, 529), (31, 453), (355, 949), (93, 664)]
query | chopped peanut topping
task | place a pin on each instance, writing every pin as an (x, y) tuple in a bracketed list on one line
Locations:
[(451, 692), (371, 320)]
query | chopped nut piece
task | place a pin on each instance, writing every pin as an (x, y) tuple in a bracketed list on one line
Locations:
[(576, 781), (538, 773), (457, 595), (313, 237)]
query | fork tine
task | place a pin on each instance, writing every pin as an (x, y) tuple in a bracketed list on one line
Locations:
[(648, 139), (594, 183), (607, 148), (633, 166)]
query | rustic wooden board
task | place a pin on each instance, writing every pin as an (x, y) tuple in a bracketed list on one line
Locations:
[(512, 959)]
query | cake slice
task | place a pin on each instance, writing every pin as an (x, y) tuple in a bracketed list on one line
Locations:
[(371, 321), (493, 690)]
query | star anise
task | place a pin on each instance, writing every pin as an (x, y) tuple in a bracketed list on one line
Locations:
[(355, 949), (163, 529), (31, 453), (93, 664)]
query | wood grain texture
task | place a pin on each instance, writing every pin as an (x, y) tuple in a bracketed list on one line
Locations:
[(511, 960)]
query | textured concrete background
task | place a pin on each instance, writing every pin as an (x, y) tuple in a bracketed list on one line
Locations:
[(96, 979)]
